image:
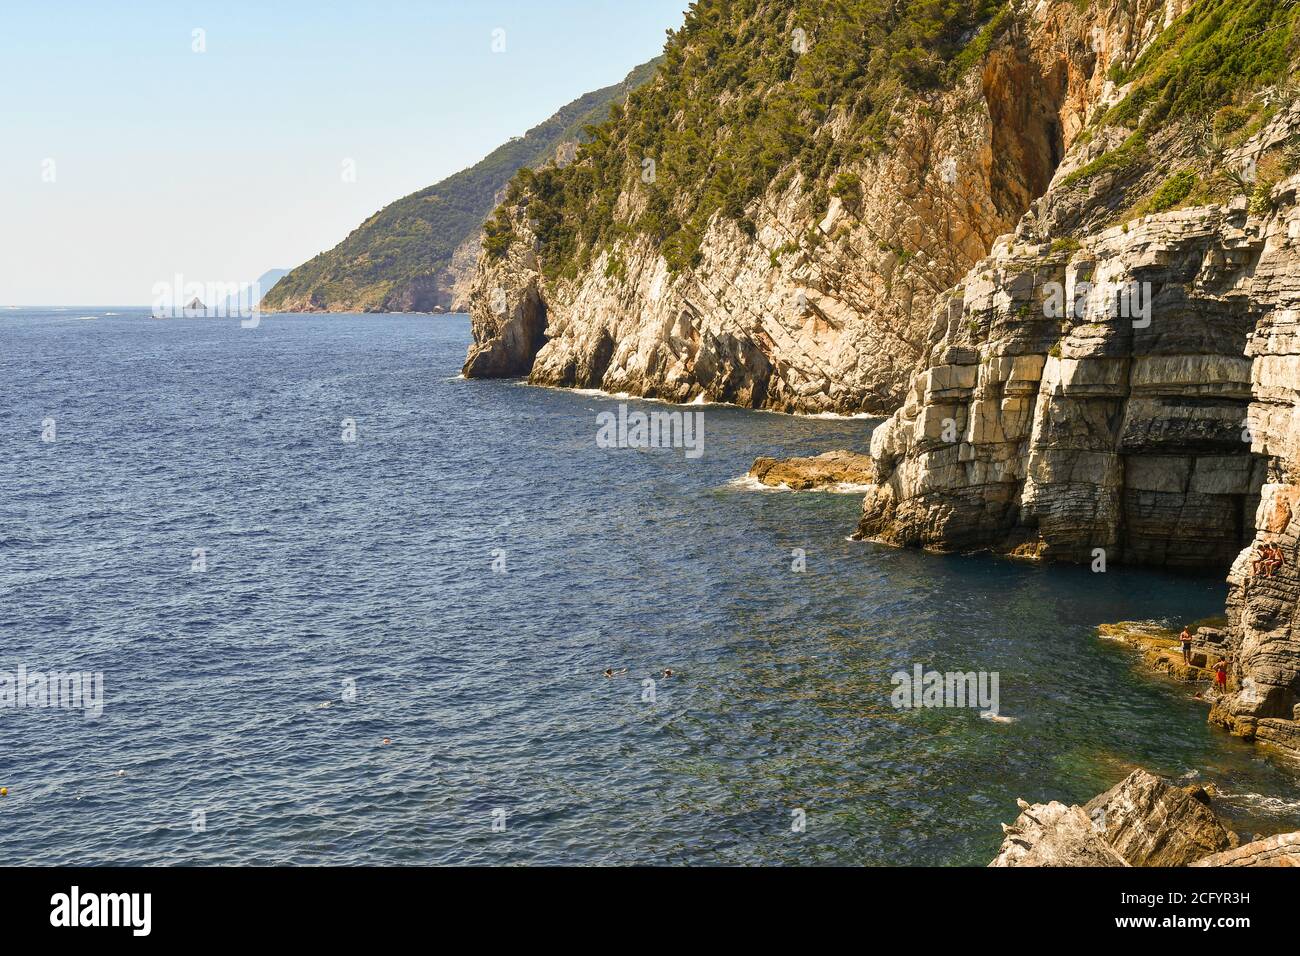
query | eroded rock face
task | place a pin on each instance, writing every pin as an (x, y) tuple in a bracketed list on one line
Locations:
[(509, 330), (1262, 609), (1150, 822), (828, 470), (1049, 424), (1142, 821), (1102, 437), (1053, 834), (827, 309)]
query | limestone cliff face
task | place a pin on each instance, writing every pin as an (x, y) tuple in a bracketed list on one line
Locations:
[(822, 308), (1263, 609), (1070, 375), (1163, 437), (1076, 431)]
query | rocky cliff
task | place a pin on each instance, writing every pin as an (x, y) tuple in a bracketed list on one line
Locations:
[(815, 295), (1116, 383), (1143, 820), (1062, 257)]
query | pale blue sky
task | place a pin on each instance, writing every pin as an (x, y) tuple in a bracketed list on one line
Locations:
[(224, 164)]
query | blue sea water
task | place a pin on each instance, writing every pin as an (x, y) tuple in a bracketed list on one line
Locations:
[(333, 565)]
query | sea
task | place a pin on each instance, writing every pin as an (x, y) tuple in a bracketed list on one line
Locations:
[(329, 603)]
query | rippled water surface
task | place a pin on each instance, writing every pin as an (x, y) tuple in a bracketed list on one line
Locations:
[(371, 562)]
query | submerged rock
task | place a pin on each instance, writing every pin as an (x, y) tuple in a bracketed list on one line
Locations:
[(821, 471)]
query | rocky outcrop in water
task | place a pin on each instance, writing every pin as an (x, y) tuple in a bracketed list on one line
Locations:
[(1053, 834), (1162, 650), (1144, 820), (1150, 822), (1280, 850), (1114, 382), (1050, 424), (828, 470)]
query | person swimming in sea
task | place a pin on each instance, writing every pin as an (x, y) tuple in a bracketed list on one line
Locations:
[(668, 672), (610, 672)]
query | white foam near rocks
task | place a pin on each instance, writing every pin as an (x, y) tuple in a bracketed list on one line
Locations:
[(748, 482)]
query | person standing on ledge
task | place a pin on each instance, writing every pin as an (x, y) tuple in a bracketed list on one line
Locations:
[(1221, 676), (1186, 639)]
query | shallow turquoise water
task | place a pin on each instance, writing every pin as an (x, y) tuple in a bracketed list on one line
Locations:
[(371, 562)]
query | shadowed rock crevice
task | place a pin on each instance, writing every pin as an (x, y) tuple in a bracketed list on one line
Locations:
[(1024, 104), (507, 340)]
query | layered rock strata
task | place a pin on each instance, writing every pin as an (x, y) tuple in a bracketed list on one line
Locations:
[(1168, 438), (1144, 820), (1051, 424), (819, 309)]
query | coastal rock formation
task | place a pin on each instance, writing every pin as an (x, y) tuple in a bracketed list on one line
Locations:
[(1142, 821), (1052, 834), (1165, 436), (1051, 424), (833, 468), (1280, 850), (510, 328), (1150, 822), (1064, 258), (1263, 607), (813, 300), (1128, 445)]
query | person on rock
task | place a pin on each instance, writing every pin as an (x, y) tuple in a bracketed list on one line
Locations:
[(1268, 559), (1185, 639), (1221, 676)]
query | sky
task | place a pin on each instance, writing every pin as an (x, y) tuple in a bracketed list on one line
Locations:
[(136, 149)]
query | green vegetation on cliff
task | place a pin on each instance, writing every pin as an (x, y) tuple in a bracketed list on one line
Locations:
[(749, 90), (1205, 68), (1208, 58), (416, 236)]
